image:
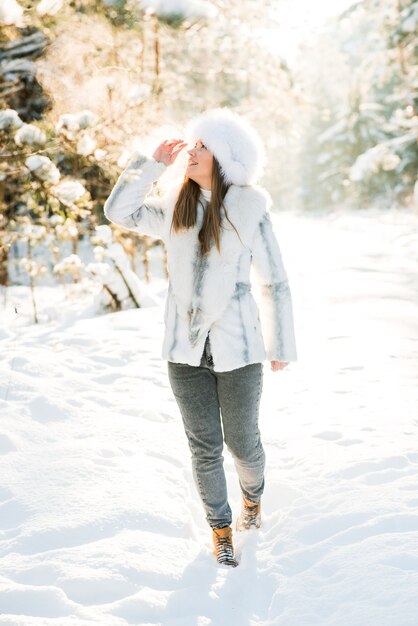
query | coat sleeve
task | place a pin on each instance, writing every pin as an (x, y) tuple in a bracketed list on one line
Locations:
[(127, 204), (276, 309)]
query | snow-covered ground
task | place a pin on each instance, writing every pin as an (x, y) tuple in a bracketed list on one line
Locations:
[(100, 522)]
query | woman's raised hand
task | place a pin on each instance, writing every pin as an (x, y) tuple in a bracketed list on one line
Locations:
[(168, 151), (278, 365)]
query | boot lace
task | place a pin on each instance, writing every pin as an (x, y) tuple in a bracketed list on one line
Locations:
[(224, 550), (250, 515)]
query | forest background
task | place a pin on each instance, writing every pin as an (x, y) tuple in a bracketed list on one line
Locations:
[(84, 84)]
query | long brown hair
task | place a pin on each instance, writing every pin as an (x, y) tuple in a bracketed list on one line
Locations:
[(185, 209)]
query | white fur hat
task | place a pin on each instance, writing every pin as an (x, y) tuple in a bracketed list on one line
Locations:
[(232, 140)]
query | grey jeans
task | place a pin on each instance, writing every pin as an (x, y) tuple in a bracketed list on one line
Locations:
[(204, 397)]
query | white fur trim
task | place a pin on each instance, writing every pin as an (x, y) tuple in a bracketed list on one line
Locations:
[(233, 141)]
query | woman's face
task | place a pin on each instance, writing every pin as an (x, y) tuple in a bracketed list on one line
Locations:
[(200, 165)]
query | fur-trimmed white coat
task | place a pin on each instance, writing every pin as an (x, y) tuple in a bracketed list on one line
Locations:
[(213, 292)]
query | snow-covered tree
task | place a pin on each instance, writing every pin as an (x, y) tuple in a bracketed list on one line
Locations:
[(367, 153), (121, 286)]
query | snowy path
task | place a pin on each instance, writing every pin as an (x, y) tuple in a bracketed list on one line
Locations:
[(99, 518)]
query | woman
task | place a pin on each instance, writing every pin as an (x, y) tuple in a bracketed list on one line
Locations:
[(216, 225)]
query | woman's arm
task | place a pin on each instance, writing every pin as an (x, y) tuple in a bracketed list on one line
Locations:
[(276, 310), (127, 206)]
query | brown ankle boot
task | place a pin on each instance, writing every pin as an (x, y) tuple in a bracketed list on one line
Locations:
[(223, 547), (250, 516)]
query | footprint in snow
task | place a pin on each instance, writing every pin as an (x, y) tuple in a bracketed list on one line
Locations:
[(367, 468), (35, 601), (6, 445), (349, 442), (44, 411), (148, 414), (329, 435), (12, 515), (168, 459), (106, 379), (327, 526), (106, 360), (155, 416)]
